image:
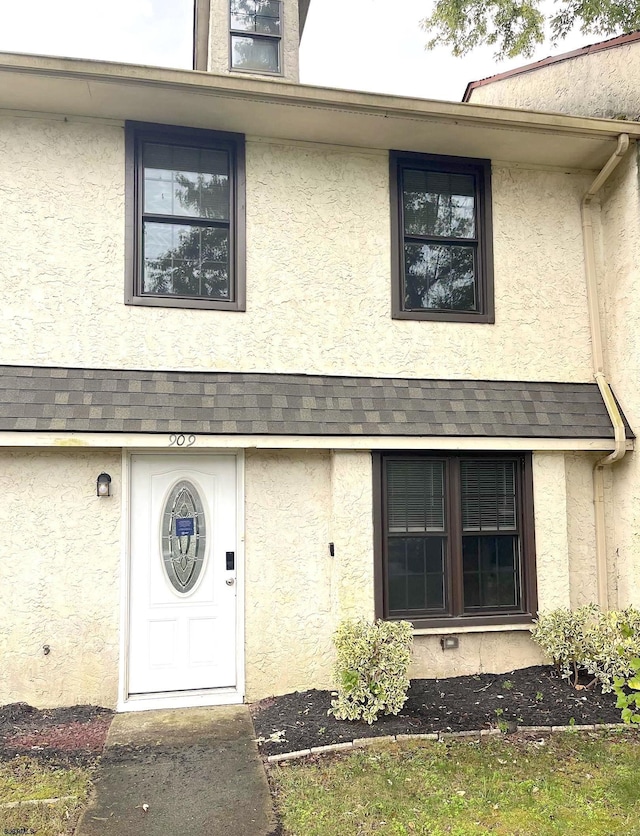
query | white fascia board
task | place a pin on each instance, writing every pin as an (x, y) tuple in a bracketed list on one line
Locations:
[(173, 441), (255, 107)]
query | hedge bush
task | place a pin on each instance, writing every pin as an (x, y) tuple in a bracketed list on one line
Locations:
[(603, 643), (371, 668)]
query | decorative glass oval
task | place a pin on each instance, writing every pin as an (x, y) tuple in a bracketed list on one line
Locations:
[(183, 540)]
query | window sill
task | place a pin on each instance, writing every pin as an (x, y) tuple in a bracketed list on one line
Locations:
[(443, 316), (472, 628), (182, 302)]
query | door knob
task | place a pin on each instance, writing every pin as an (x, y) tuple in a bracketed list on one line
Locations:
[(230, 581)]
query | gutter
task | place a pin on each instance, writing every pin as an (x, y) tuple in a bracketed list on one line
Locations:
[(599, 375)]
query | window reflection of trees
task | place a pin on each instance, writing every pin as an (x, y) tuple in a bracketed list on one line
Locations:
[(439, 275), (190, 258), (256, 18)]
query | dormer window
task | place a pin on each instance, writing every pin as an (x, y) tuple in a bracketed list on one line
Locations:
[(256, 32)]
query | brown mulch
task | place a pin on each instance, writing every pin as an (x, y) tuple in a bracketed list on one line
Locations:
[(535, 696), (69, 735)]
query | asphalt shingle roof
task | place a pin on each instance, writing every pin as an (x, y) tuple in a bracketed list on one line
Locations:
[(98, 400)]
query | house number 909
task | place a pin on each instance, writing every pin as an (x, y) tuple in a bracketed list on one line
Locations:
[(181, 440)]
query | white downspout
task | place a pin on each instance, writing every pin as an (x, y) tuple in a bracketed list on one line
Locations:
[(619, 448)]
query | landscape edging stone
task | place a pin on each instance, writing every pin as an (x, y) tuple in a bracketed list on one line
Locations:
[(362, 742)]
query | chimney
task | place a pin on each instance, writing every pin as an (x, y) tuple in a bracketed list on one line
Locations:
[(255, 38)]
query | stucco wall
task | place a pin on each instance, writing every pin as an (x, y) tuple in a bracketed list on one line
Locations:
[(297, 503), (581, 529), (599, 84), (59, 578), (289, 573), (219, 59), (488, 652), (318, 269), (620, 280)]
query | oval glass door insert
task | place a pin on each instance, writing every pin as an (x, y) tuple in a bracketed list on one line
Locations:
[(183, 540)]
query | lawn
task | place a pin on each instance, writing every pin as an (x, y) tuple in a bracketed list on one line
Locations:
[(24, 779), (586, 783)]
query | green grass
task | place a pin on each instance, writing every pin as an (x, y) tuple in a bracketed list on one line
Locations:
[(25, 779), (583, 783)]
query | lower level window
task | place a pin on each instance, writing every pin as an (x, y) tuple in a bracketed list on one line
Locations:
[(457, 538)]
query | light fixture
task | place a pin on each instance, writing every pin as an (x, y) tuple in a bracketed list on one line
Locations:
[(103, 485), (449, 642)]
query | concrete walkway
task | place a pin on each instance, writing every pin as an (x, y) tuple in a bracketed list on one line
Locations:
[(198, 770)]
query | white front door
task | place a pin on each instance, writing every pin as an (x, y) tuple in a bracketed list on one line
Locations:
[(182, 610)]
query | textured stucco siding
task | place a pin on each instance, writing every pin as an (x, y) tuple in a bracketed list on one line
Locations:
[(552, 536), (298, 503), (620, 217), (318, 269), (581, 529), (59, 578), (219, 42), (487, 652), (599, 84), (289, 573)]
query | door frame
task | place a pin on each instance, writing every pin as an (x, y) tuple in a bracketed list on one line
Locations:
[(179, 699)]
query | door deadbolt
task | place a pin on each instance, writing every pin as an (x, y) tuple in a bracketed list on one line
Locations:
[(230, 581)]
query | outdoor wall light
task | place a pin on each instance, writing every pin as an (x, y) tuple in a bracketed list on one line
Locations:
[(103, 485), (449, 642)]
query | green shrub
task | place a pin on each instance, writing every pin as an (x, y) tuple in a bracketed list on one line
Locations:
[(371, 668), (602, 643), (562, 635), (628, 693)]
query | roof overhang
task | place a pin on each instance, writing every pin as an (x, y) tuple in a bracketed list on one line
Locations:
[(80, 88), (303, 11)]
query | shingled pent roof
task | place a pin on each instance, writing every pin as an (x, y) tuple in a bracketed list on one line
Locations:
[(97, 400)]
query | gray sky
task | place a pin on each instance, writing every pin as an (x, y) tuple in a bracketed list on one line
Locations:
[(354, 44)]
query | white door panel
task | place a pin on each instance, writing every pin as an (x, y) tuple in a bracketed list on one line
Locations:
[(182, 625)]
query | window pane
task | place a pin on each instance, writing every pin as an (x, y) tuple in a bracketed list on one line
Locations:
[(185, 260), (415, 496), (437, 203), (262, 16), (416, 573), (491, 571), (189, 182), (259, 54), (439, 277), (488, 495)]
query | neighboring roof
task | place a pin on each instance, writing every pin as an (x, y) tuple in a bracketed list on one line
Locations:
[(600, 46), (281, 110), (221, 403)]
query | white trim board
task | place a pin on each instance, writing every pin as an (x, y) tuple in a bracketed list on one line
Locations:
[(193, 442)]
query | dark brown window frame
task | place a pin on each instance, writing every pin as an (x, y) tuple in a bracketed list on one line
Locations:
[(135, 134), (481, 170), (258, 36), (455, 616)]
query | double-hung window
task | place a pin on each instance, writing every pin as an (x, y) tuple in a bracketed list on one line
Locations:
[(256, 36), (456, 539), (441, 238), (185, 218)]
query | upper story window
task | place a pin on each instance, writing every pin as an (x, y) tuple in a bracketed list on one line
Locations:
[(441, 238), (256, 32), (185, 218), (456, 539)]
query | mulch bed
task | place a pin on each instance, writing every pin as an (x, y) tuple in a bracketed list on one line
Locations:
[(68, 735), (535, 696)]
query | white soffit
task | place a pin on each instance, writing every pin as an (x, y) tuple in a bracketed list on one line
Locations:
[(285, 111)]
